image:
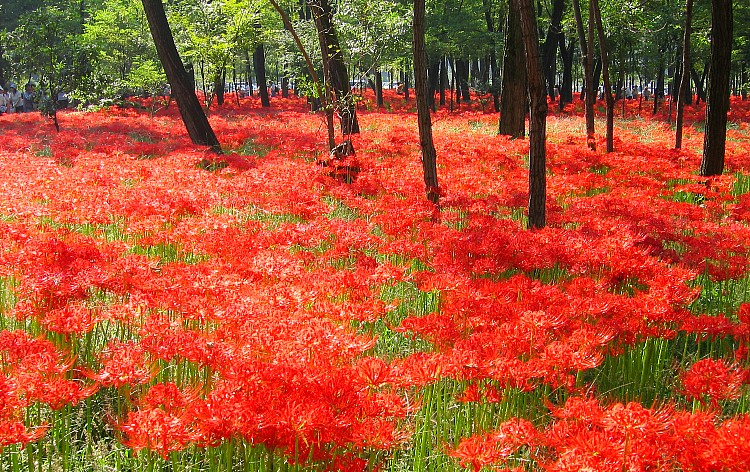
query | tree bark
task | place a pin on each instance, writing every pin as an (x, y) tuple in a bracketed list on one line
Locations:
[(513, 102), (538, 121), (259, 64), (717, 105), (684, 75), (192, 114), (595, 12), (333, 56), (552, 40), (379, 89), (424, 121), (587, 50), (494, 86)]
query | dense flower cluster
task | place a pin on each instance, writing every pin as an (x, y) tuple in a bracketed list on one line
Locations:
[(264, 296)]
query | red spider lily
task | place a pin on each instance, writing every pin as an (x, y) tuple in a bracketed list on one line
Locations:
[(123, 363), (714, 380), (158, 431), (482, 450)]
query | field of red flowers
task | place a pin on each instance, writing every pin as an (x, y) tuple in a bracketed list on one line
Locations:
[(162, 308)]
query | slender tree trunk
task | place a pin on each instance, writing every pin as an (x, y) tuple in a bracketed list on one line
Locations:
[(424, 121), (443, 80), (332, 54), (587, 50), (717, 105), (219, 84), (566, 87), (462, 79), (192, 114), (552, 40), (513, 104), (379, 89), (743, 79), (538, 121), (434, 81), (259, 64), (699, 81), (595, 13), (659, 89), (492, 65), (684, 75)]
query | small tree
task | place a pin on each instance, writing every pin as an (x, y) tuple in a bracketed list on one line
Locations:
[(46, 44)]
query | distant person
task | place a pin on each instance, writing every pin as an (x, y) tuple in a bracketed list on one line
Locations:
[(15, 102), (646, 94), (29, 98), (3, 101), (400, 88)]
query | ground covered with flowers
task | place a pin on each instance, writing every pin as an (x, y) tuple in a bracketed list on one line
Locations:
[(164, 308)]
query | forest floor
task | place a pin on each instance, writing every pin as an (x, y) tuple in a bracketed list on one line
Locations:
[(165, 308)]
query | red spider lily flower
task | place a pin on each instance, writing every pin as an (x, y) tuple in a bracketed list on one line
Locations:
[(482, 450), (123, 362), (713, 379), (158, 431), (73, 318), (374, 371)]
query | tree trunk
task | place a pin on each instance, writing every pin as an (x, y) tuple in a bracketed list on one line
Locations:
[(462, 79), (743, 79), (552, 40), (259, 64), (538, 121), (424, 121), (219, 84), (492, 65), (595, 13), (513, 103), (443, 80), (434, 81), (192, 114), (333, 56), (717, 105), (566, 87), (699, 81), (587, 50), (684, 75), (379, 89)]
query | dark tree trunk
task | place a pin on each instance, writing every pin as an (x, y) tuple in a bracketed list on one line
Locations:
[(513, 104), (597, 64), (424, 121), (717, 106), (587, 50), (552, 40), (684, 75), (333, 56), (659, 88), (285, 87), (443, 80), (249, 74), (219, 83), (566, 87), (699, 81), (595, 13), (259, 64), (192, 114), (493, 80), (462, 79), (379, 89), (538, 121), (434, 81), (743, 79), (406, 87)]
